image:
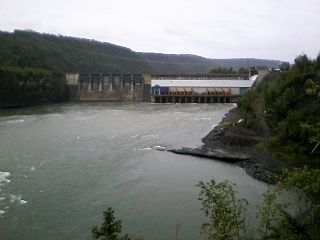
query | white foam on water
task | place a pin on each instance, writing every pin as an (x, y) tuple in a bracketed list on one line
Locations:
[(150, 136), (14, 198), (134, 136), (17, 199), (204, 118), (159, 148), (2, 199), (2, 212), (146, 149), (145, 136), (3, 178), (15, 121)]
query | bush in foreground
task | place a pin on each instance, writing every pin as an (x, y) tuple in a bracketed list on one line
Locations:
[(227, 214)]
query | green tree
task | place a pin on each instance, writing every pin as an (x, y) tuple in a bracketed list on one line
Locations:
[(272, 213), (289, 104), (110, 228), (23, 86), (221, 70), (226, 213), (311, 88), (306, 182), (243, 70)]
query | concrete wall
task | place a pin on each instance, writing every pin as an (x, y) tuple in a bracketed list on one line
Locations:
[(72, 81), (72, 78), (113, 87), (138, 87)]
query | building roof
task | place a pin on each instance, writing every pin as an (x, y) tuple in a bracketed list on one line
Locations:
[(205, 83)]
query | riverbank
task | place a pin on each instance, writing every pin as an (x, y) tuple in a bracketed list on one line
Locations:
[(231, 135)]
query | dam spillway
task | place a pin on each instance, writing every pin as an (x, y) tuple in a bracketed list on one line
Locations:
[(218, 88)]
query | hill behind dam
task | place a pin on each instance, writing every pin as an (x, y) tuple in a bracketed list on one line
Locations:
[(29, 49)]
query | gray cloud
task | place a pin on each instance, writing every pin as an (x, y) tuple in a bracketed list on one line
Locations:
[(278, 29)]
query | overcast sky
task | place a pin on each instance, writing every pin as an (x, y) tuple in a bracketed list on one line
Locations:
[(274, 29)]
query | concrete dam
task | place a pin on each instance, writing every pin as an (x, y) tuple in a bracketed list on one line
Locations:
[(217, 88)]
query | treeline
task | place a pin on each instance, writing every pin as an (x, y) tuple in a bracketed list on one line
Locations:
[(22, 87), (67, 54), (193, 64), (289, 103), (221, 70)]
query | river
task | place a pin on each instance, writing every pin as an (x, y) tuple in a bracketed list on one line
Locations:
[(62, 165)]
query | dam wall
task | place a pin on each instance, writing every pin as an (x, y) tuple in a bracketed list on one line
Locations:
[(109, 87), (222, 88)]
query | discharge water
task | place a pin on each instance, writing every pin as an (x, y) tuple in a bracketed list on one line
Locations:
[(61, 166)]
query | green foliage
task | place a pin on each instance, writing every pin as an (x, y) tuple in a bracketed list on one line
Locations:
[(28, 49), (110, 228), (27, 86), (243, 70), (284, 102), (69, 54), (246, 101), (221, 70), (289, 104), (307, 180), (311, 88), (226, 213), (272, 213)]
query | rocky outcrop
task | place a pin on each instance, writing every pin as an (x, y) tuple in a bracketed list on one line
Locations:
[(216, 154)]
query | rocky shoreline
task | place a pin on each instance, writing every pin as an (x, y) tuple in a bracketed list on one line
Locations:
[(231, 135), (231, 138)]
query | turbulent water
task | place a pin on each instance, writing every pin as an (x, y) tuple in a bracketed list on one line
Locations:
[(61, 166)]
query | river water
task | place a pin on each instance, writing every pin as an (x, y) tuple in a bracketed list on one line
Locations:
[(61, 166)]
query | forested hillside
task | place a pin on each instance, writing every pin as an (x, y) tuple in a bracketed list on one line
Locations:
[(278, 125), (192, 64), (286, 108), (69, 54)]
